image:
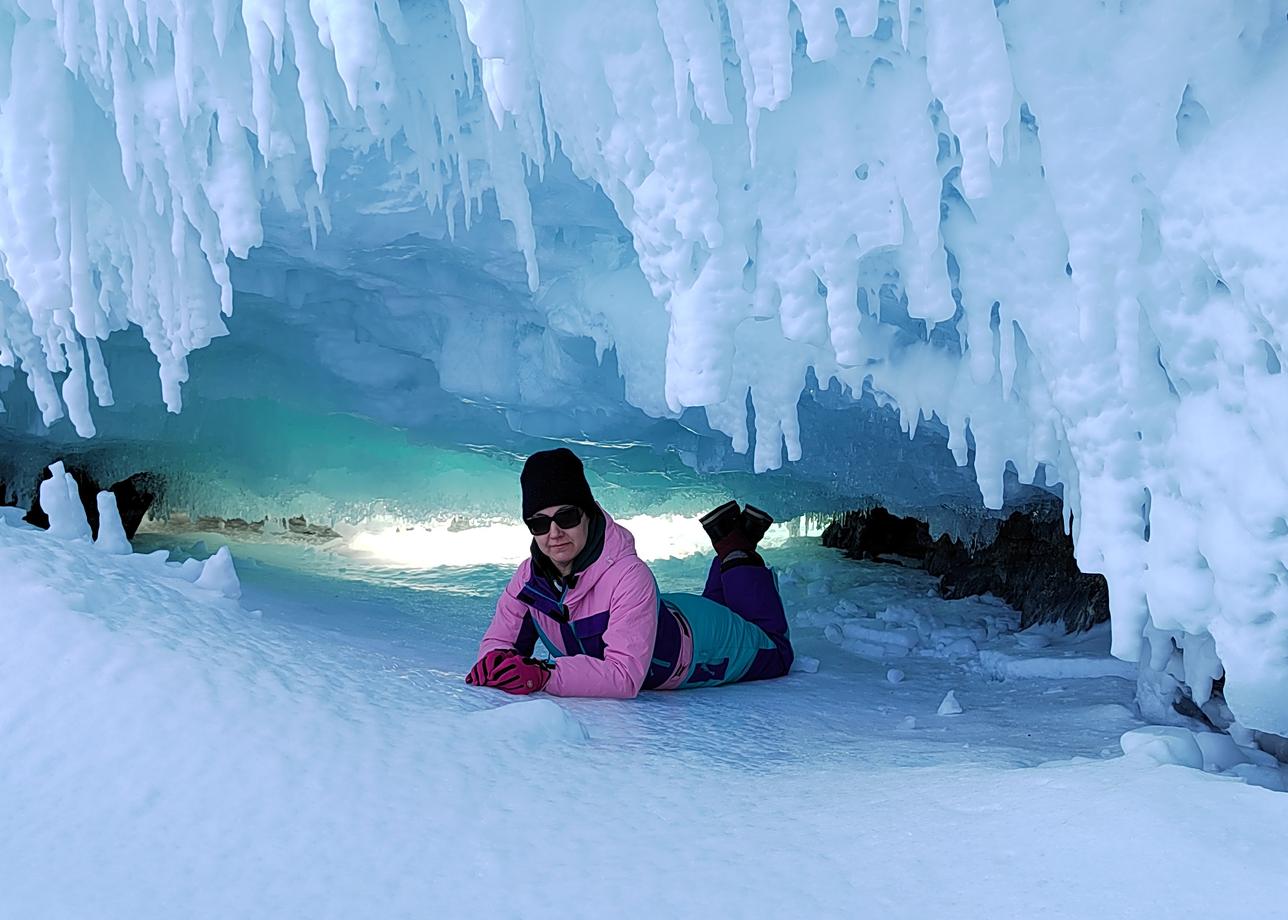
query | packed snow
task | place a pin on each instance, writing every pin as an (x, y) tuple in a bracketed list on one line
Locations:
[(312, 750)]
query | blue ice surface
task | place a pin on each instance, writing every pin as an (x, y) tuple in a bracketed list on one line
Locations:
[(424, 626), (313, 751)]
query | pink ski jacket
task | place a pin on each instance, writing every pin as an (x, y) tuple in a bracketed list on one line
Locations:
[(602, 630)]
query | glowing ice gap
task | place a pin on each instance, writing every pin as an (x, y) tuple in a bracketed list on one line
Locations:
[(441, 545), (1092, 196)]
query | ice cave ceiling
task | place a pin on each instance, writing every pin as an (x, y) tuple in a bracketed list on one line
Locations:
[(1047, 238)]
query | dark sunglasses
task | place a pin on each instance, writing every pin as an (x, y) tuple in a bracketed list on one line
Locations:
[(566, 518)]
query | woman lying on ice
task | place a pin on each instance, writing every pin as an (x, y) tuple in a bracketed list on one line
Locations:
[(595, 604)]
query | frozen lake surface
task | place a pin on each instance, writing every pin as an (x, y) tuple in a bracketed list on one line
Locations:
[(311, 750)]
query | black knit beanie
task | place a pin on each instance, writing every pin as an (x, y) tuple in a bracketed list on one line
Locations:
[(554, 477)]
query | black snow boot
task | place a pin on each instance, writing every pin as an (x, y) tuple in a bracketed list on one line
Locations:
[(755, 522), (721, 522), (733, 545)]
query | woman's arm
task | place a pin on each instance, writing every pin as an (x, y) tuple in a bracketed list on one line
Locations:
[(511, 625), (628, 641)]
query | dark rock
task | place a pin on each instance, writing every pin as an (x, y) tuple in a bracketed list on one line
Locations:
[(1274, 745), (134, 496), (876, 532), (1031, 566), (243, 525), (1184, 705), (1029, 563), (302, 528)]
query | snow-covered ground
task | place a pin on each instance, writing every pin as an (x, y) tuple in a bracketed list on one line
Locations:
[(310, 750)]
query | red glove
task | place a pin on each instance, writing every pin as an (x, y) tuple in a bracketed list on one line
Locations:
[(519, 675), (481, 672)]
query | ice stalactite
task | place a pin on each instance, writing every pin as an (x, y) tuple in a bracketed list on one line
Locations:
[(140, 141), (1058, 228)]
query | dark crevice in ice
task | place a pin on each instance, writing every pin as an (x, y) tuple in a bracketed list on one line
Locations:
[(1029, 562)]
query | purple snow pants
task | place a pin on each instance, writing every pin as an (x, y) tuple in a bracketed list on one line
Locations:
[(751, 591)]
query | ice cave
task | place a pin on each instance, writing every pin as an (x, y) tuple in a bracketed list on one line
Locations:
[(984, 302)]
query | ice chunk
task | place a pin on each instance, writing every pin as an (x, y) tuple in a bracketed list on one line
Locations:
[(1219, 751), (219, 574), (111, 532), (805, 664), (950, 633), (875, 632), (1032, 640), (1259, 775), (960, 648), (191, 569), (1004, 666), (818, 588), (60, 500), (1163, 744)]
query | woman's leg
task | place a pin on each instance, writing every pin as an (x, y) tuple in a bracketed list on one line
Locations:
[(745, 636), (751, 592), (740, 634), (715, 588)]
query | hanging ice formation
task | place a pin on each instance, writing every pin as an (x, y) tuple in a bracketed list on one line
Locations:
[(1091, 196)]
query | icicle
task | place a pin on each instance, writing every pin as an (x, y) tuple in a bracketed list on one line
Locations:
[(862, 16), (968, 70), (98, 373), (1006, 356), (818, 20), (693, 40), (75, 389)]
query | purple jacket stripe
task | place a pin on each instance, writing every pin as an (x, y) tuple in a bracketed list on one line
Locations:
[(526, 642)]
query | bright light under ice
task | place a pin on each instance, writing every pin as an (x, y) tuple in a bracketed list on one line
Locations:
[(441, 545), (1090, 197)]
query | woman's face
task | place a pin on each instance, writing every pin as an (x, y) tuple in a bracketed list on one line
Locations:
[(560, 545)]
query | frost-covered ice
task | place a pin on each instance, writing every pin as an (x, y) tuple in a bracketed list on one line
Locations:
[(1055, 229), (311, 750), (890, 613)]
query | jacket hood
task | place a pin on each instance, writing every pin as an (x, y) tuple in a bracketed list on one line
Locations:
[(618, 543)]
